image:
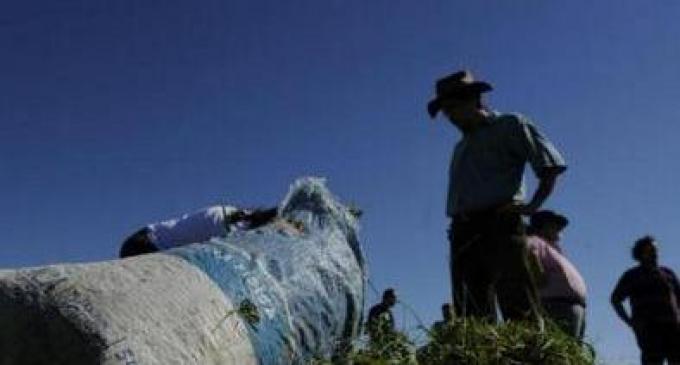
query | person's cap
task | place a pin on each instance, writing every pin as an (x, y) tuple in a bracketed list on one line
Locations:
[(542, 217), (459, 84)]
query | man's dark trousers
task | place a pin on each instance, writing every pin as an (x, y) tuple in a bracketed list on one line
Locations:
[(658, 341), (489, 258)]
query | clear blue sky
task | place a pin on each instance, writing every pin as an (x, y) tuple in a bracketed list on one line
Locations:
[(118, 113)]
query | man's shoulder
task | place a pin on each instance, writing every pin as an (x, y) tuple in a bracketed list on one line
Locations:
[(626, 282), (510, 121), (510, 117), (632, 273), (668, 271), (376, 309)]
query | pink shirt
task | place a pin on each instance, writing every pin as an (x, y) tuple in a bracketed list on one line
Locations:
[(561, 279)]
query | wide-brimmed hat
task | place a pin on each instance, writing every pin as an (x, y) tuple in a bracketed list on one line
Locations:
[(459, 84), (542, 217)]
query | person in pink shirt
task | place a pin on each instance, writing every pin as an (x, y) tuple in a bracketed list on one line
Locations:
[(561, 287)]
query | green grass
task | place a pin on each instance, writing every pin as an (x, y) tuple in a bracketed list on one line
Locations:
[(464, 341), (475, 342)]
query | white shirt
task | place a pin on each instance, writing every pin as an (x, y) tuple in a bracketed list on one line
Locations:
[(199, 226)]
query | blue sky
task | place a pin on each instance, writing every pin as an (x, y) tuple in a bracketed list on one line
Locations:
[(114, 114)]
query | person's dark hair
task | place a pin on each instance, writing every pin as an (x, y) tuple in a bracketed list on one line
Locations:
[(389, 292), (138, 243), (640, 244), (447, 312), (260, 217)]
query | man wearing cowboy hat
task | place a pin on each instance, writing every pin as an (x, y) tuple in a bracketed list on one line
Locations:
[(486, 199), (561, 287)]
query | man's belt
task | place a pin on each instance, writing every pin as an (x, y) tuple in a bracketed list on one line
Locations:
[(564, 300), (479, 213)]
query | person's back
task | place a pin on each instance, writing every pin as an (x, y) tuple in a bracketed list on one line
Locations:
[(196, 227), (561, 278), (561, 287)]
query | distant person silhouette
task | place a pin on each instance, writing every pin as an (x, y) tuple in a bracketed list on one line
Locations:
[(447, 318), (653, 293), (489, 257), (560, 286), (380, 321), (199, 226)]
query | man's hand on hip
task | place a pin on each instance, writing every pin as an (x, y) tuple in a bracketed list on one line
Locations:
[(518, 208)]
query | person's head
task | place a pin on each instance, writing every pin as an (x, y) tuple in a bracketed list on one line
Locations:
[(447, 313), (645, 251), (459, 97), (548, 225), (260, 217), (389, 297)]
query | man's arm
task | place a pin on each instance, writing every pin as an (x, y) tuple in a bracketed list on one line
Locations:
[(617, 298), (621, 311), (676, 285), (546, 185), (545, 160)]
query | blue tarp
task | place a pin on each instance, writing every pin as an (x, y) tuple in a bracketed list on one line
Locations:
[(307, 288)]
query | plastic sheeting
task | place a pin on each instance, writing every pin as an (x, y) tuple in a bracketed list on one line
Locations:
[(307, 287), (303, 290)]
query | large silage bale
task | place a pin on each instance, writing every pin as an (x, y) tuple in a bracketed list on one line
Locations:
[(264, 296)]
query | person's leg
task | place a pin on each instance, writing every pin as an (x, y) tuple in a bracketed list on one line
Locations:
[(138, 243), (453, 276), (472, 290), (569, 317), (671, 335), (555, 313), (579, 326), (477, 284), (650, 359), (650, 344), (460, 236), (582, 328), (517, 293)]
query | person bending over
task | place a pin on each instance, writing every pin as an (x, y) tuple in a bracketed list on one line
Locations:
[(199, 226)]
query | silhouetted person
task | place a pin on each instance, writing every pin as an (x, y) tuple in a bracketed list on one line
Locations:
[(199, 226), (486, 199), (560, 286), (447, 318), (380, 322), (653, 293)]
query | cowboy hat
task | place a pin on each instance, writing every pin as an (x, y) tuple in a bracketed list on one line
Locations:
[(459, 84), (542, 217)]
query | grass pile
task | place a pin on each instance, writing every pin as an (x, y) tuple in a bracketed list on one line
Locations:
[(476, 342), (473, 341)]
